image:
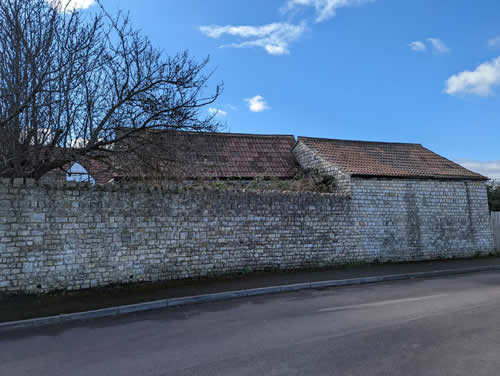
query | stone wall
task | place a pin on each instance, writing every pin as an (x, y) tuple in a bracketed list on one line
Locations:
[(79, 236), (307, 158), (403, 219)]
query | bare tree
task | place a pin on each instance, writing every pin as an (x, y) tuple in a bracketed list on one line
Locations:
[(69, 80)]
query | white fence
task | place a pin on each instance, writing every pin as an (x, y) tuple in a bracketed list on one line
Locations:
[(495, 227)]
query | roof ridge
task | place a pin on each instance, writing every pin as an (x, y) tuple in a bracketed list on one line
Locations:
[(217, 133), (232, 134), (357, 141)]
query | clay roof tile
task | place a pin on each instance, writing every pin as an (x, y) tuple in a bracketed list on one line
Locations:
[(384, 159)]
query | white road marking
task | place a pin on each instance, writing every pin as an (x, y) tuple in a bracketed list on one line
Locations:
[(383, 303)]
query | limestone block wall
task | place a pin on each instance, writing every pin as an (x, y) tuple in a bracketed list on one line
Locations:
[(78, 236), (408, 219)]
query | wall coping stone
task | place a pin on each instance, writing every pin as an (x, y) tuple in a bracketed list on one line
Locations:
[(167, 187)]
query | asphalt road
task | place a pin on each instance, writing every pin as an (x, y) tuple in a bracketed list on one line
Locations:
[(443, 326)]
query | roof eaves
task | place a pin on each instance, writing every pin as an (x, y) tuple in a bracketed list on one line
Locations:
[(420, 177), (478, 176)]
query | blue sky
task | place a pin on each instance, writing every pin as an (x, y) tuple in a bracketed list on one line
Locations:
[(386, 70)]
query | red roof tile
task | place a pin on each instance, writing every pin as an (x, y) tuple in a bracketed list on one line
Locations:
[(223, 155), (382, 159)]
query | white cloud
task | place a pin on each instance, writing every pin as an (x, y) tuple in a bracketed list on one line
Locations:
[(274, 38), (489, 169), (70, 5), (217, 112), (257, 104), (494, 42), (438, 45), (325, 9), (418, 46), (479, 82)]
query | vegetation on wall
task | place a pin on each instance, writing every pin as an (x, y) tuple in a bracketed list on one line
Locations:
[(304, 180), (493, 196)]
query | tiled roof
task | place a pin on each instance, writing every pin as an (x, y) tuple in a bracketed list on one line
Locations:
[(381, 159), (100, 171), (221, 155)]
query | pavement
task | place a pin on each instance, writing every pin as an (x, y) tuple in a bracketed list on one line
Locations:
[(24, 307), (439, 326)]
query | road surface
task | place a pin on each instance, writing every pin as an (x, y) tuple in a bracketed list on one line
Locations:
[(441, 326)]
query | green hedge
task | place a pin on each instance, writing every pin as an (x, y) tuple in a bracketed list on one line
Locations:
[(494, 197)]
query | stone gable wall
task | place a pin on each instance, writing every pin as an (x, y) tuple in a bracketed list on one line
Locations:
[(307, 158), (76, 236)]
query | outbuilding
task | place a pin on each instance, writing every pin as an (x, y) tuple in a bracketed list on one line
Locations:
[(407, 202)]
